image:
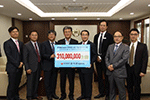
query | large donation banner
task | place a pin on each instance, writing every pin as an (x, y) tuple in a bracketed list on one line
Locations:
[(72, 56)]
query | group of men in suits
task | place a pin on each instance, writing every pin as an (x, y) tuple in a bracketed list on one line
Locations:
[(114, 61)]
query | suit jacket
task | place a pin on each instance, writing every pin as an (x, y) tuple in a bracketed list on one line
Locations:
[(46, 52), (93, 55), (118, 60), (13, 56), (106, 42), (30, 57), (72, 41), (141, 59)]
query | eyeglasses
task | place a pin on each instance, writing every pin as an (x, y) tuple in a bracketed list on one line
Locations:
[(117, 36), (134, 34), (14, 31)]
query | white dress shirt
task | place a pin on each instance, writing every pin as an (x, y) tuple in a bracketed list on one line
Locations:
[(14, 40), (51, 43), (67, 42), (99, 41), (117, 44), (36, 45), (85, 42)]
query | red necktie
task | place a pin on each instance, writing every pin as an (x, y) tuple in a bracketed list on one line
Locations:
[(37, 52)]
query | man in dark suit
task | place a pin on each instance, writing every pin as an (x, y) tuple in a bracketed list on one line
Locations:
[(13, 50), (86, 74), (50, 73), (32, 61), (137, 65), (102, 40), (70, 72), (116, 58)]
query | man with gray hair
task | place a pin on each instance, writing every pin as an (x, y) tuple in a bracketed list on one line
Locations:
[(70, 72)]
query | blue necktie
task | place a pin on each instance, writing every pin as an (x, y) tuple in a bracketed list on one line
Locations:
[(116, 47), (52, 47)]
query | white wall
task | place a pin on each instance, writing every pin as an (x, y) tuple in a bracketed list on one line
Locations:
[(91, 28), (5, 23)]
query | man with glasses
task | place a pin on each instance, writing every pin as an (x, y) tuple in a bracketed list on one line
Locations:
[(136, 66), (116, 58), (13, 49), (86, 74)]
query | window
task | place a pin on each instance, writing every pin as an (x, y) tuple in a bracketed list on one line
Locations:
[(139, 27), (146, 31)]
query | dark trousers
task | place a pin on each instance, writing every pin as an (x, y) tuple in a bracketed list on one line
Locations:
[(116, 82), (86, 84), (50, 80), (14, 79), (133, 84), (101, 68), (33, 82), (70, 72)]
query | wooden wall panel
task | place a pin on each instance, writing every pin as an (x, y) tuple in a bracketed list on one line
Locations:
[(41, 26)]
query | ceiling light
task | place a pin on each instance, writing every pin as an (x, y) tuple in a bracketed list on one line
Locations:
[(53, 18), (120, 18), (1, 6), (132, 13), (98, 18), (74, 0), (30, 19), (19, 14), (75, 18), (148, 5)]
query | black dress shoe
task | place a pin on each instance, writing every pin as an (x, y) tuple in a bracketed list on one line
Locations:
[(107, 98), (71, 98), (62, 98), (29, 98), (55, 96), (99, 95), (50, 98), (80, 98), (88, 99)]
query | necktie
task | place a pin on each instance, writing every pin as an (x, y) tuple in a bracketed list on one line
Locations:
[(116, 47), (52, 47), (131, 56), (83, 43), (17, 45), (37, 52), (100, 45)]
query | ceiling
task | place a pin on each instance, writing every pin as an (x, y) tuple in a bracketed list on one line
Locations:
[(89, 9)]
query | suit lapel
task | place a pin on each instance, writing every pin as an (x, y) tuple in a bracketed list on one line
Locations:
[(31, 45), (136, 50), (12, 42), (120, 47), (70, 41), (48, 43), (64, 41)]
